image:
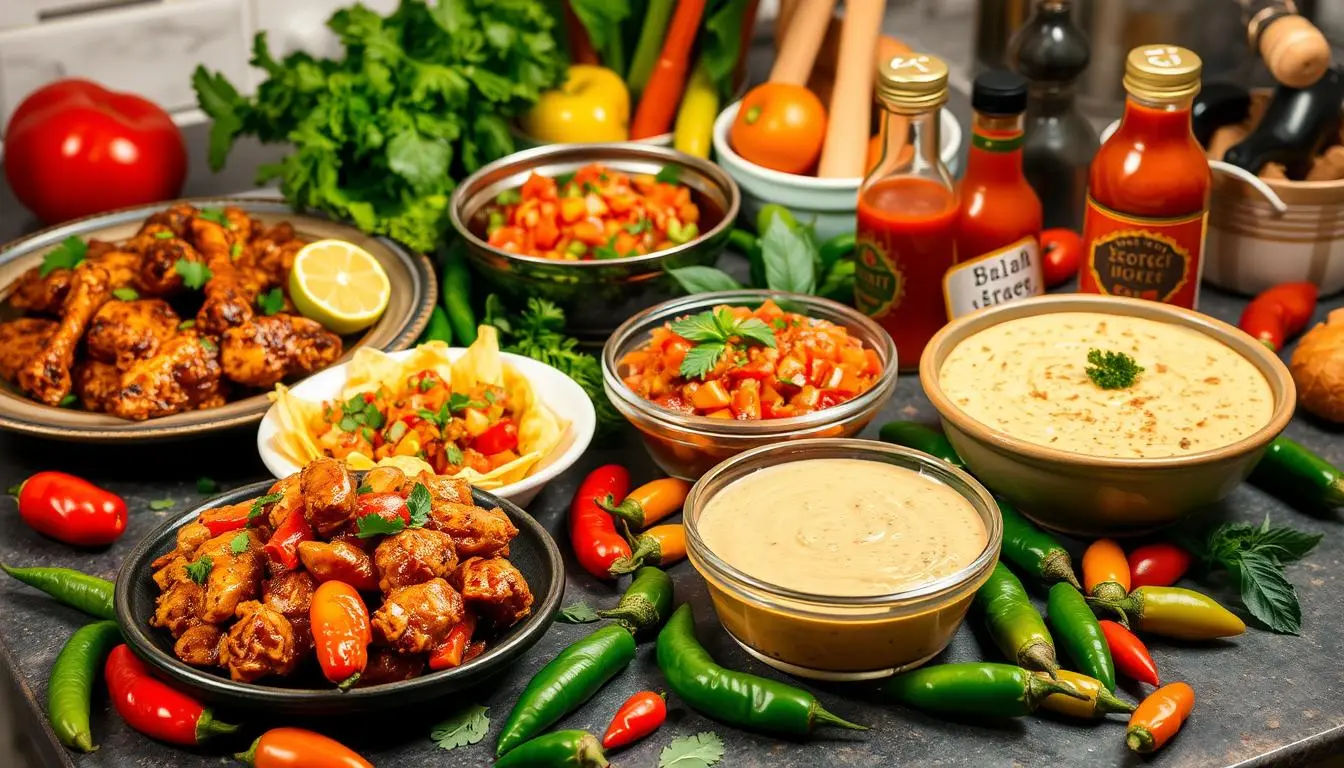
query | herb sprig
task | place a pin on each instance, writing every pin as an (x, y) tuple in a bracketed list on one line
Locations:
[(67, 255), (1112, 370), (714, 333)]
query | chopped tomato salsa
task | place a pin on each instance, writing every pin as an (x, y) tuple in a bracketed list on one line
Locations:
[(593, 213), (800, 365)]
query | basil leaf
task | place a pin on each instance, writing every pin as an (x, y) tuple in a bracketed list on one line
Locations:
[(1285, 544), (1268, 595), (698, 328), (701, 359), (790, 258), (703, 279)]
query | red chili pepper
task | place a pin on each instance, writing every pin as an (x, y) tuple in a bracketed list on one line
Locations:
[(283, 548), (341, 632), (1279, 312), (450, 652), (497, 439), (592, 531), (1129, 653), (297, 748), (1157, 565), (639, 716), (71, 509), (387, 505), (155, 709), (224, 519)]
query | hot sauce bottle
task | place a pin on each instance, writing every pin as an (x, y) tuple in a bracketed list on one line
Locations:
[(1148, 188), (907, 212), (999, 223)]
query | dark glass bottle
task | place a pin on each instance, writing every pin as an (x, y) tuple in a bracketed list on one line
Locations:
[(1051, 52), (1296, 124)]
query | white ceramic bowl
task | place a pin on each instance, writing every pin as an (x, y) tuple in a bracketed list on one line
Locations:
[(831, 201), (557, 391)]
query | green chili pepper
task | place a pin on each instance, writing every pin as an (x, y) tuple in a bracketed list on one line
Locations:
[(70, 687), (438, 329), (1175, 612), (838, 284), (735, 698), (1034, 550), (976, 689), (1014, 623), (1292, 472), (912, 434), (456, 293), (1080, 634), (562, 749), (744, 242), (89, 594), (646, 604), (837, 248), (570, 679)]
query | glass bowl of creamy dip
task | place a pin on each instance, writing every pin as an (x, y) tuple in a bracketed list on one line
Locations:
[(828, 368), (1105, 416), (841, 559)]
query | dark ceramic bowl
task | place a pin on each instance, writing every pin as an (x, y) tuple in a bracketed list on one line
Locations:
[(534, 552)]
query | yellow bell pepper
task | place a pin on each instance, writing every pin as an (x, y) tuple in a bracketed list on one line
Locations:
[(695, 118), (592, 106)]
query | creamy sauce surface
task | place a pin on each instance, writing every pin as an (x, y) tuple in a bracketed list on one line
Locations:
[(1027, 377), (842, 527)]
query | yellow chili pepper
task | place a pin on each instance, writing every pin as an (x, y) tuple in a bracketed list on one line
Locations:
[(695, 118), (1175, 612), (1099, 702)]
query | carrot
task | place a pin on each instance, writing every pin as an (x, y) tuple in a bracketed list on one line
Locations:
[(662, 93), (802, 40), (580, 47), (842, 154)]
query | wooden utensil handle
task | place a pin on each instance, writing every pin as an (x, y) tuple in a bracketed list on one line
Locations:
[(1293, 49), (802, 40)]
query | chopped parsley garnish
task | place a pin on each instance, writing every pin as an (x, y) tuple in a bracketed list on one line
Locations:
[(185, 324), (426, 384), (208, 345), (564, 179), (607, 250), (194, 274), (490, 396), (458, 402), (509, 197), (165, 234), (67, 255), (161, 504), (206, 486), (712, 332), (638, 227), (125, 294), (358, 412), (238, 544), (1112, 370), (216, 215), (199, 571), (453, 454), (670, 174), (259, 504), (68, 401), (271, 302), (589, 188), (366, 433), (365, 488), (235, 251), (417, 503)]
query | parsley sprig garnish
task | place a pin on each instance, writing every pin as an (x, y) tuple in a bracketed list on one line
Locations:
[(418, 503), (194, 274), (67, 255), (1112, 370), (199, 570), (713, 333), (356, 413), (259, 504)]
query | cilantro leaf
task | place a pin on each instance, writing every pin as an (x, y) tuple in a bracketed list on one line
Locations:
[(194, 274), (1111, 370), (668, 174), (453, 454), (235, 251), (271, 302), (458, 401), (208, 344), (699, 751), (259, 504), (238, 544), (199, 571), (365, 488), (125, 294), (418, 502), (701, 327), (185, 324), (161, 504), (639, 226), (216, 215), (68, 255), (430, 416), (462, 728), (206, 486), (712, 330), (165, 234), (701, 359), (577, 613), (373, 524), (68, 401)]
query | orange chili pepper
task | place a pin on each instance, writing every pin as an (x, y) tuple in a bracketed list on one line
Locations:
[(650, 502), (1159, 717), (341, 632), (661, 545), (297, 748), (1105, 570)]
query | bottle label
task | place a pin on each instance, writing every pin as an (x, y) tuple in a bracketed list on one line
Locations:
[(879, 285), (1140, 257), (1010, 273)]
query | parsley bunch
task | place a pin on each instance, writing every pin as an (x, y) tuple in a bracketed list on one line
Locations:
[(716, 332), (421, 98), (1112, 370)]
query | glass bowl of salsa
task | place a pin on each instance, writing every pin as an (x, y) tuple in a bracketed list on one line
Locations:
[(708, 376)]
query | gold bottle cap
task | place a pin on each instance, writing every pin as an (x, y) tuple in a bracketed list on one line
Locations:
[(912, 82), (1162, 72)]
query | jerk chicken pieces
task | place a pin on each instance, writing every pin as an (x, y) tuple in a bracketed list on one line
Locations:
[(168, 321), (237, 590)]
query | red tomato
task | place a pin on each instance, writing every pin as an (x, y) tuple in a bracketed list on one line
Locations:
[(389, 506), (73, 148), (1062, 253), (501, 437)]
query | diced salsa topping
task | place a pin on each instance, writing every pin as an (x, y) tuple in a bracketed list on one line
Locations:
[(594, 213), (783, 364)]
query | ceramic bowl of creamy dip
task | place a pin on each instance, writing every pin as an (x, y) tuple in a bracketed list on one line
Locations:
[(1012, 387), (841, 559)]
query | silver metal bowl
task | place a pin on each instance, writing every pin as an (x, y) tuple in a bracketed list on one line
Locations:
[(596, 295)]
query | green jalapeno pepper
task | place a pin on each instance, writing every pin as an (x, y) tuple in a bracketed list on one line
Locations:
[(975, 689), (1292, 472), (89, 594), (836, 248), (456, 293), (1014, 623), (646, 604), (1080, 634), (70, 687), (439, 329), (912, 434), (570, 679), (562, 749), (1175, 612), (736, 698)]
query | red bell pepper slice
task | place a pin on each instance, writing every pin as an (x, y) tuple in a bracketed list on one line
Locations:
[(283, 548)]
